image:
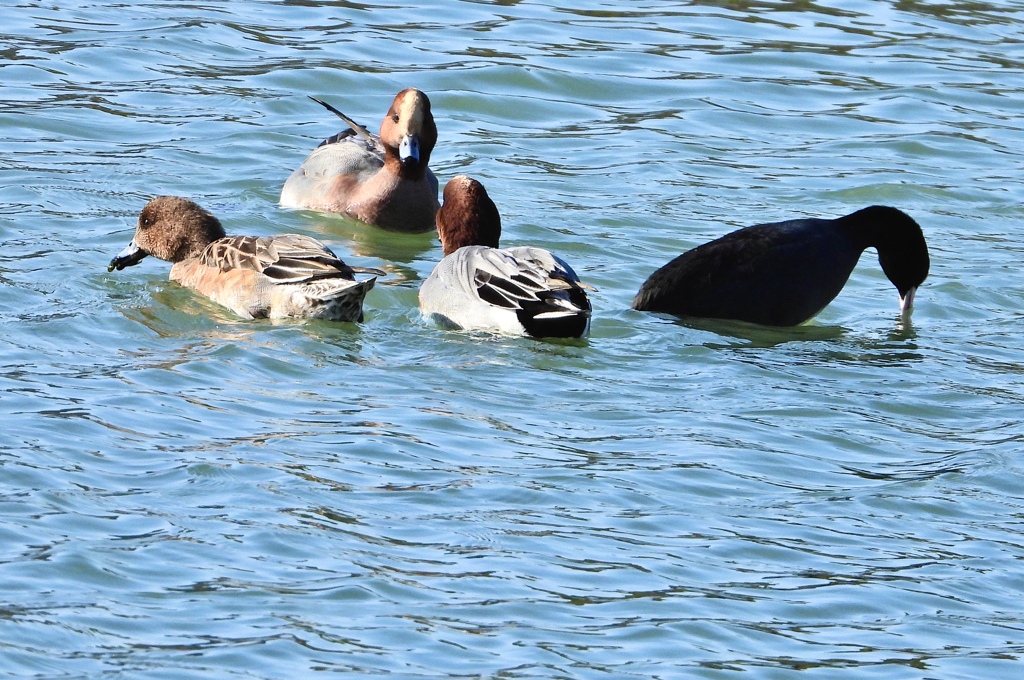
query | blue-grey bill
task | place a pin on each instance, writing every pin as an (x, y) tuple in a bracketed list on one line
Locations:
[(131, 254), (409, 149)]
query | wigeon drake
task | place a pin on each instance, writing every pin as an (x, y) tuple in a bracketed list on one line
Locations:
[(381, 180), (477, 286), (254, 276), (784, 273)]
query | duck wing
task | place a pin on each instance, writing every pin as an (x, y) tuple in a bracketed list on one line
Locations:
[(287, 258), (516, 290), (354, 128)]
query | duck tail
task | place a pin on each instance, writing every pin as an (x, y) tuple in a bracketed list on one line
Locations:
[(338, 299), (560, 313)]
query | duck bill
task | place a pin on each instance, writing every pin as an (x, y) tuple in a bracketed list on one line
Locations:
[(409, 150), (907, 303), (131, 254)]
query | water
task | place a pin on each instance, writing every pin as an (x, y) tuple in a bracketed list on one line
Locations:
[(186, 494)]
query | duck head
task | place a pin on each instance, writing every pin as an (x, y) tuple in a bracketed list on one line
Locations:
[(468, 216), (409, 134), (169, 228)]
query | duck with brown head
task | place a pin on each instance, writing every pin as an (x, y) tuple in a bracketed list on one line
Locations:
[(479, 286), (383, 180), (289, 275)]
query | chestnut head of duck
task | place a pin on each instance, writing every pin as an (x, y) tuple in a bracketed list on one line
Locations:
[(468, 216), (409, 134)]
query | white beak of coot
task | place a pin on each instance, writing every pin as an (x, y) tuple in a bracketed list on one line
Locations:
[(907, 303)]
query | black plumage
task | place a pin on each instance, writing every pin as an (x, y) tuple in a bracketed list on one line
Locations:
[(784, 273)]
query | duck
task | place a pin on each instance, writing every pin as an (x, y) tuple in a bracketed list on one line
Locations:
[(283, 276), (478, 286), (785, 273), (383, 180)]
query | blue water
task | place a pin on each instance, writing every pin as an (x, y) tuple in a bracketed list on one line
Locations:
[(187, 494)]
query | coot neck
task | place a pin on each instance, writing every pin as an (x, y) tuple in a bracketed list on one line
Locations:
[(878, 227)]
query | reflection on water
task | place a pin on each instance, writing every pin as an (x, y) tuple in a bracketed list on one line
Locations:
[(756, 336), (369, 242)]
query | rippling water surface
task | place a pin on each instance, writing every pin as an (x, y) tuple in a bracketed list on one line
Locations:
[(186, 494)]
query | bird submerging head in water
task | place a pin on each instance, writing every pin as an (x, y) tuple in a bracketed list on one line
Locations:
[(784, 273), (289, 275)]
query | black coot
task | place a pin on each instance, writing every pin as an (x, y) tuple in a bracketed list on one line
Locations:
[(782, 274)]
